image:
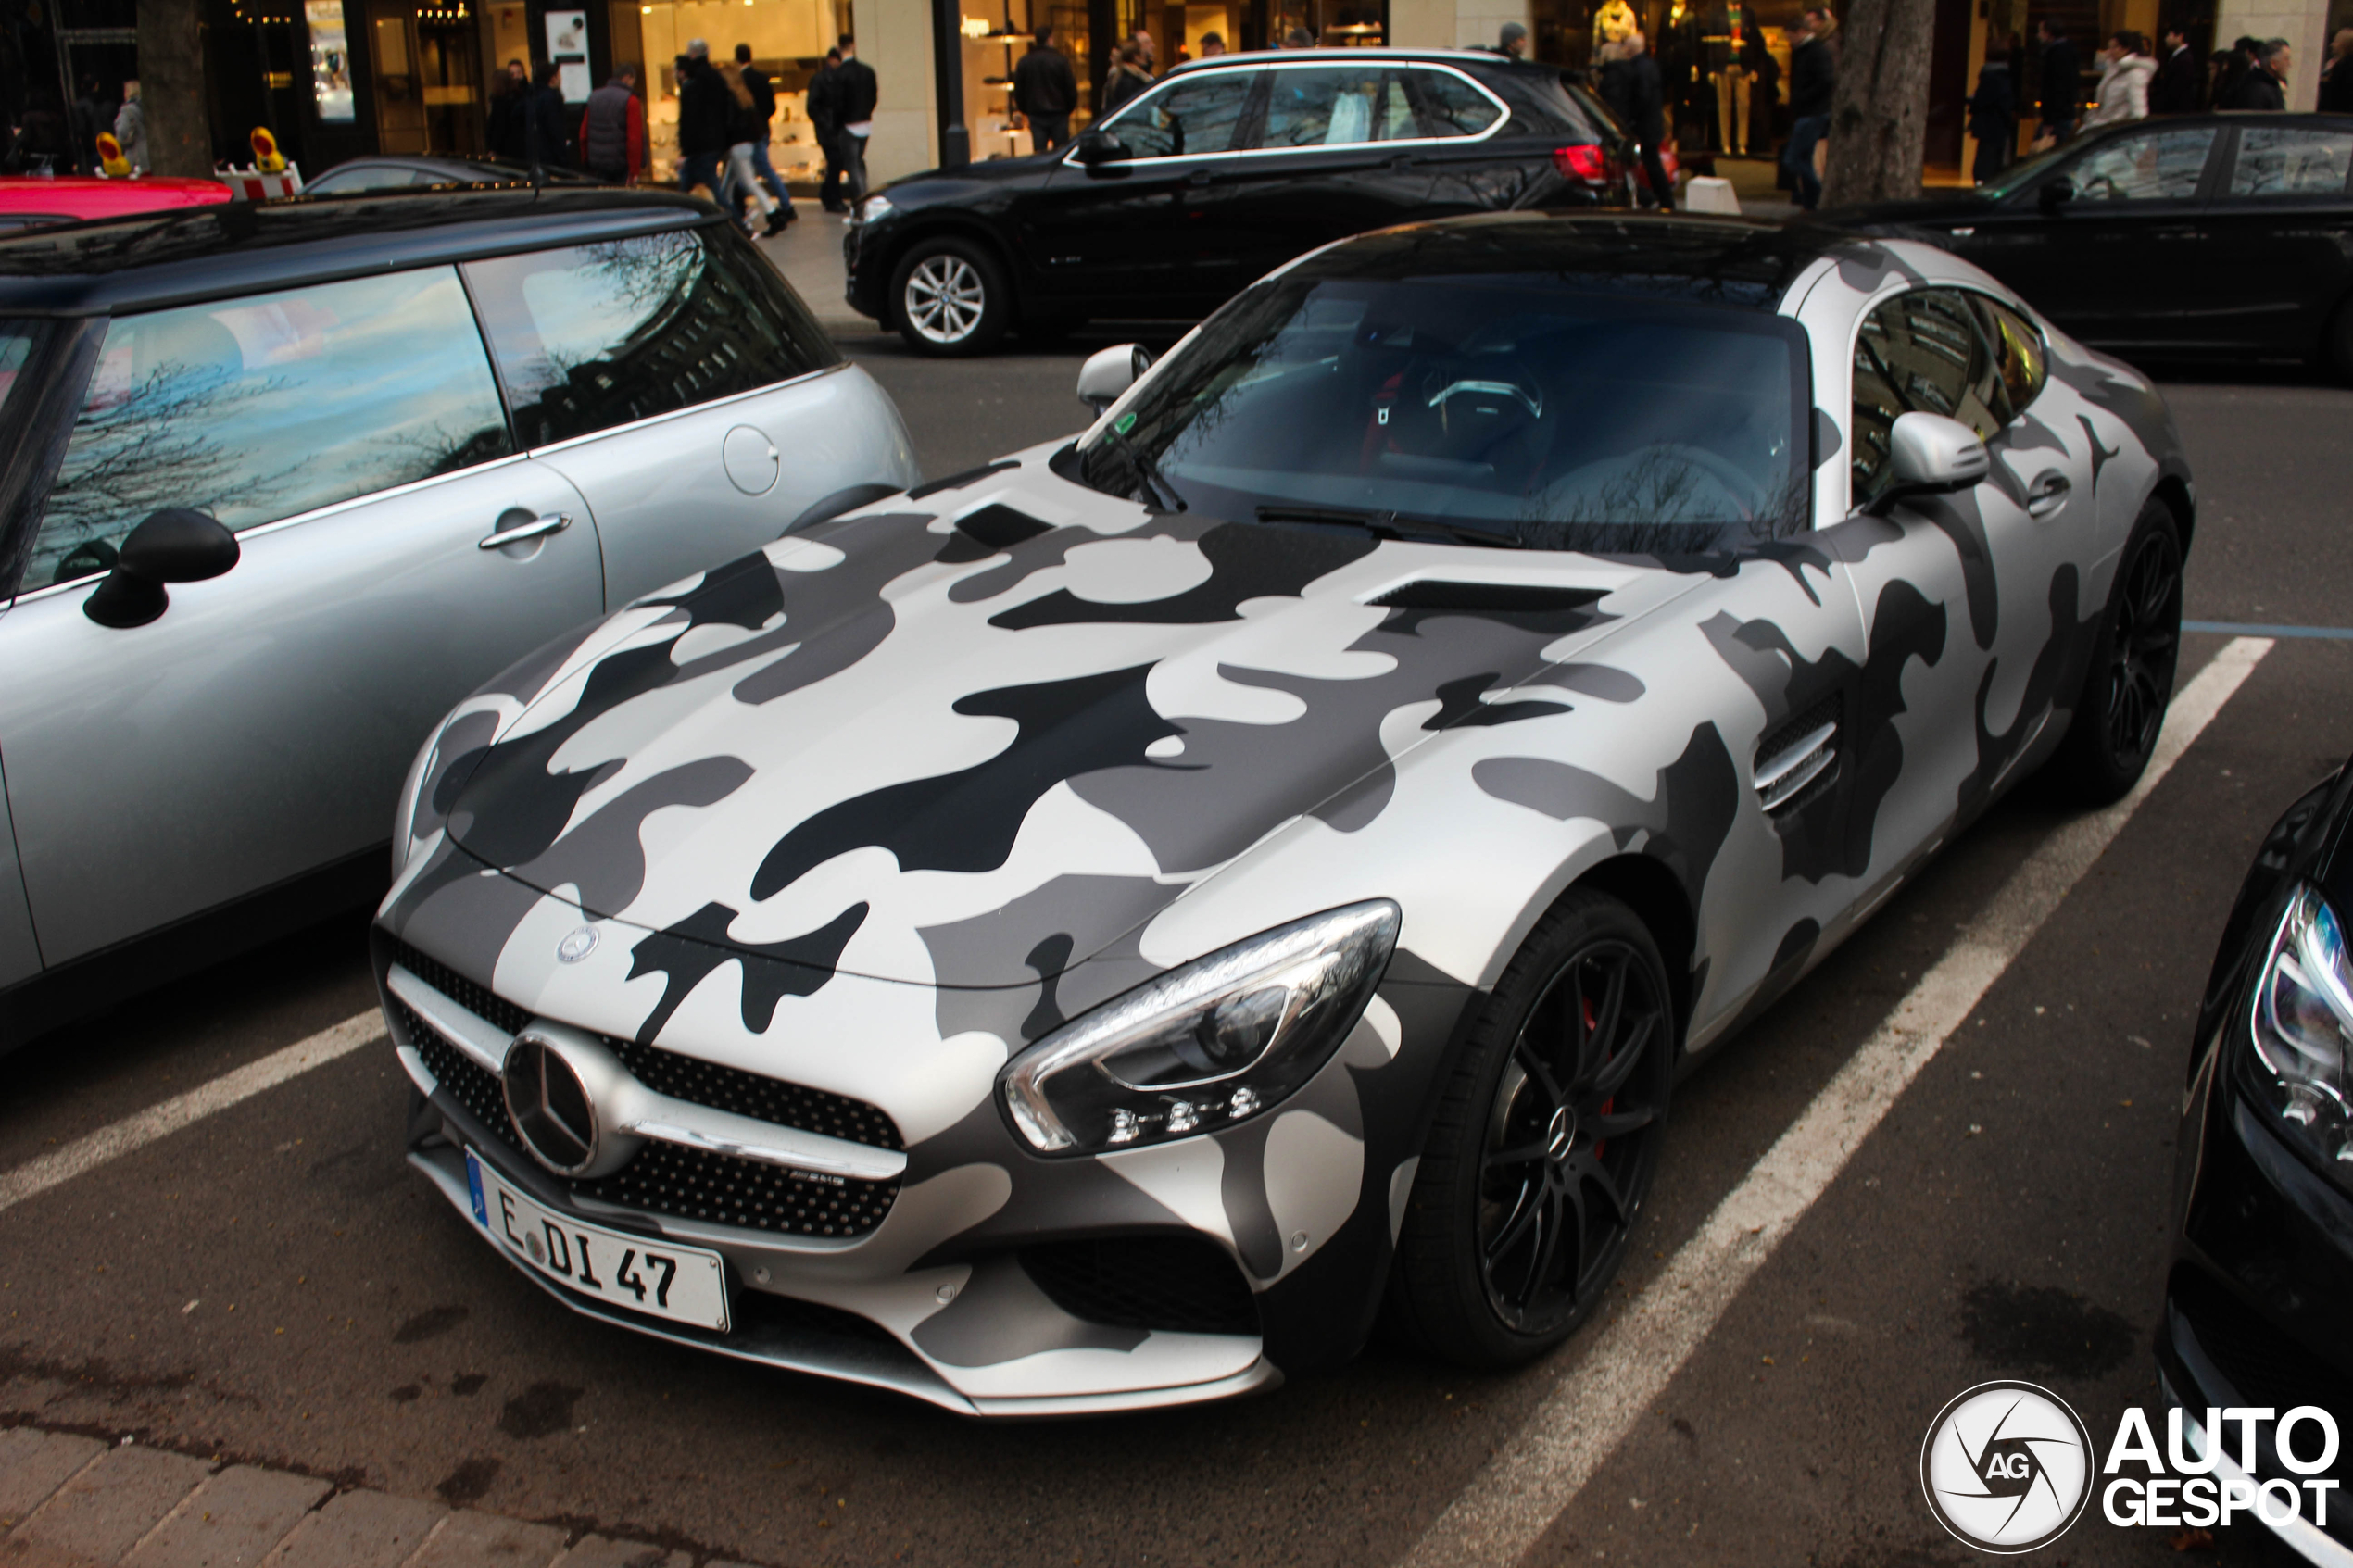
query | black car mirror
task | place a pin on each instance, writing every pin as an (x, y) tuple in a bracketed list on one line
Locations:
[(1109, 372), (1101, 146), (172, 545), (2056, 195)]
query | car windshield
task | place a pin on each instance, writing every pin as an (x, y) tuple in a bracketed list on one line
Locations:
[(1514, 409)]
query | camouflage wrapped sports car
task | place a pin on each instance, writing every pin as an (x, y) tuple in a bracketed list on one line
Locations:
[(1095, 931)]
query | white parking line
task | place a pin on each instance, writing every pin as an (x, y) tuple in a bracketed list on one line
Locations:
[(112, 1142), (1582, 1421)]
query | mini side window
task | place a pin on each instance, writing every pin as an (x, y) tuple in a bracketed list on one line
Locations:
[(1921, 352), (594, 336), (262, 408), (2280, 161)]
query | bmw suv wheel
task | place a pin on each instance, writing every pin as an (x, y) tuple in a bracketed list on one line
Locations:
[(949, 297)]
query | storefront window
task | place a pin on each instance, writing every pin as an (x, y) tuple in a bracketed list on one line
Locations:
[(1723, 68), (330, 60)]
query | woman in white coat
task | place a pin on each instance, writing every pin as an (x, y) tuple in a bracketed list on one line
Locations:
[(2125, 73)]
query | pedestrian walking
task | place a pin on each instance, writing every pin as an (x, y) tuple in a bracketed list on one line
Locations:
[(1213, 46), (1512, 42), (509, 99), (91, 114), (1045, 91), (2263, 85), (1765, 92), (764, 108), (1813, 78), (855, 94), (1993, 114), (1129, 77), (2175, 88), (1299, 38), (1647, 98), (2062, 91), (130, 128), (2125, 73), (547, 133), (740, 179), (2337, 77), (824, 121), (612, 131), (702, 121)]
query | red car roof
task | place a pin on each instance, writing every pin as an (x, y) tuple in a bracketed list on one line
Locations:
[(71, 199)]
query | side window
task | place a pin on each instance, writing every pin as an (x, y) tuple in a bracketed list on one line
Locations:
[(595, 336), (1197, 114), (1338, 106), (2279, 160), (1921, 352), (1448, 105), (2150, 165), (2019, 353), (266, 406)]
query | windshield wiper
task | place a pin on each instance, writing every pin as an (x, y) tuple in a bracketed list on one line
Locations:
[(1157, 490), (1394, 525)]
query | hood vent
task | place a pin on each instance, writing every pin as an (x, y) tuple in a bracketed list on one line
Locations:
[(1488, 598)]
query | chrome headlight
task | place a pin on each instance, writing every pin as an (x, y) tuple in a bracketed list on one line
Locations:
[(2302, 1029), (1205, 1046)]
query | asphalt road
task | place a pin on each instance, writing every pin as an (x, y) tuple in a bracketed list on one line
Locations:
[(273, 1283)]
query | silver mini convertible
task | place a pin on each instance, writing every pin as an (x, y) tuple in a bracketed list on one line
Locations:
[(278, 485)]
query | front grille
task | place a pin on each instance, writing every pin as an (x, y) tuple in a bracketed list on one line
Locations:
[(722, 1189), (1176, 1283), (691, 1184), (477, 1000)]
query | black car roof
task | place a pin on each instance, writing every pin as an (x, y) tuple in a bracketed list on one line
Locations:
[(241, 248), (1744, 262)]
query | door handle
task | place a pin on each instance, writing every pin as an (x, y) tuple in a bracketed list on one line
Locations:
[(547, 522), (2048, 494)]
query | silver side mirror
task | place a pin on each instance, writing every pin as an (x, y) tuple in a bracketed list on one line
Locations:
[(1109, 372), (1931, 455)]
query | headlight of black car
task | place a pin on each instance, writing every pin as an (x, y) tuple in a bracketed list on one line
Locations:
[(1214, 1042), (2302, 1027)]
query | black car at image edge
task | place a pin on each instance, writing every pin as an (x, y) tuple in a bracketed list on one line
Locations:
[(2198, 236), (1224, 170), (2263, 1263)]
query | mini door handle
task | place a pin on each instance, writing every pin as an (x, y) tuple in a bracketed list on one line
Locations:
[(547, 522), (2049, 494)]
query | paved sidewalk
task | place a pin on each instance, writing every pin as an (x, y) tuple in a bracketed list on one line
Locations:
[(69, 1502), (809, 254)]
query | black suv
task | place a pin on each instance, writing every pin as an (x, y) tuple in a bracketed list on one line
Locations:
[(1223, 170)]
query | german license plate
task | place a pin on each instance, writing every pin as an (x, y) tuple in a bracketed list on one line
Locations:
[(680, 1284)]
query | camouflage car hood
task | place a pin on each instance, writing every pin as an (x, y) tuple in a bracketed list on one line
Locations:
[(864, 747)]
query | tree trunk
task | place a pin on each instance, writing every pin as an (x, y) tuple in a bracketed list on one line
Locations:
[(171, 87), (1879, 116)]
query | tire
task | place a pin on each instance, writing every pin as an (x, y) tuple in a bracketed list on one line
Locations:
[(948, 297), (2121, 706), (1487, 1273)]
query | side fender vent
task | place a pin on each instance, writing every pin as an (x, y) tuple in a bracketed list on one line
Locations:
[(1797, 761)]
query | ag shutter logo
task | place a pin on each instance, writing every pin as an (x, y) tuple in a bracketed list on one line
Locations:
[(2006, 1467)]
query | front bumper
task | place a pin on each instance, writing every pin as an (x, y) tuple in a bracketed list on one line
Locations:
[(984, 1278), (862, 286), (2255, 1298)]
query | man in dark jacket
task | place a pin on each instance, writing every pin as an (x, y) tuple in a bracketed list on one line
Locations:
[(1045, 91), (855, 93), (1647, 97), (612, 131), (1813, 78), (546, 134), (2264, 85), (2062, 83), (703, 104), (2336, 76), (2175, 91), (509, 108), (825, 122), (91, 114), (1993, 116), (763, 111)]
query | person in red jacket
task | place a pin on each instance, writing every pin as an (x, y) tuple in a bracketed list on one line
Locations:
[(612, 131)]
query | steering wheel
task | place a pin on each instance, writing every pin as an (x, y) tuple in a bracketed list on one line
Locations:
[(1531, 401)]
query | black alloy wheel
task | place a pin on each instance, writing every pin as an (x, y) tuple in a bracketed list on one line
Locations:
[(2120, 710), (1544, 1145)]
